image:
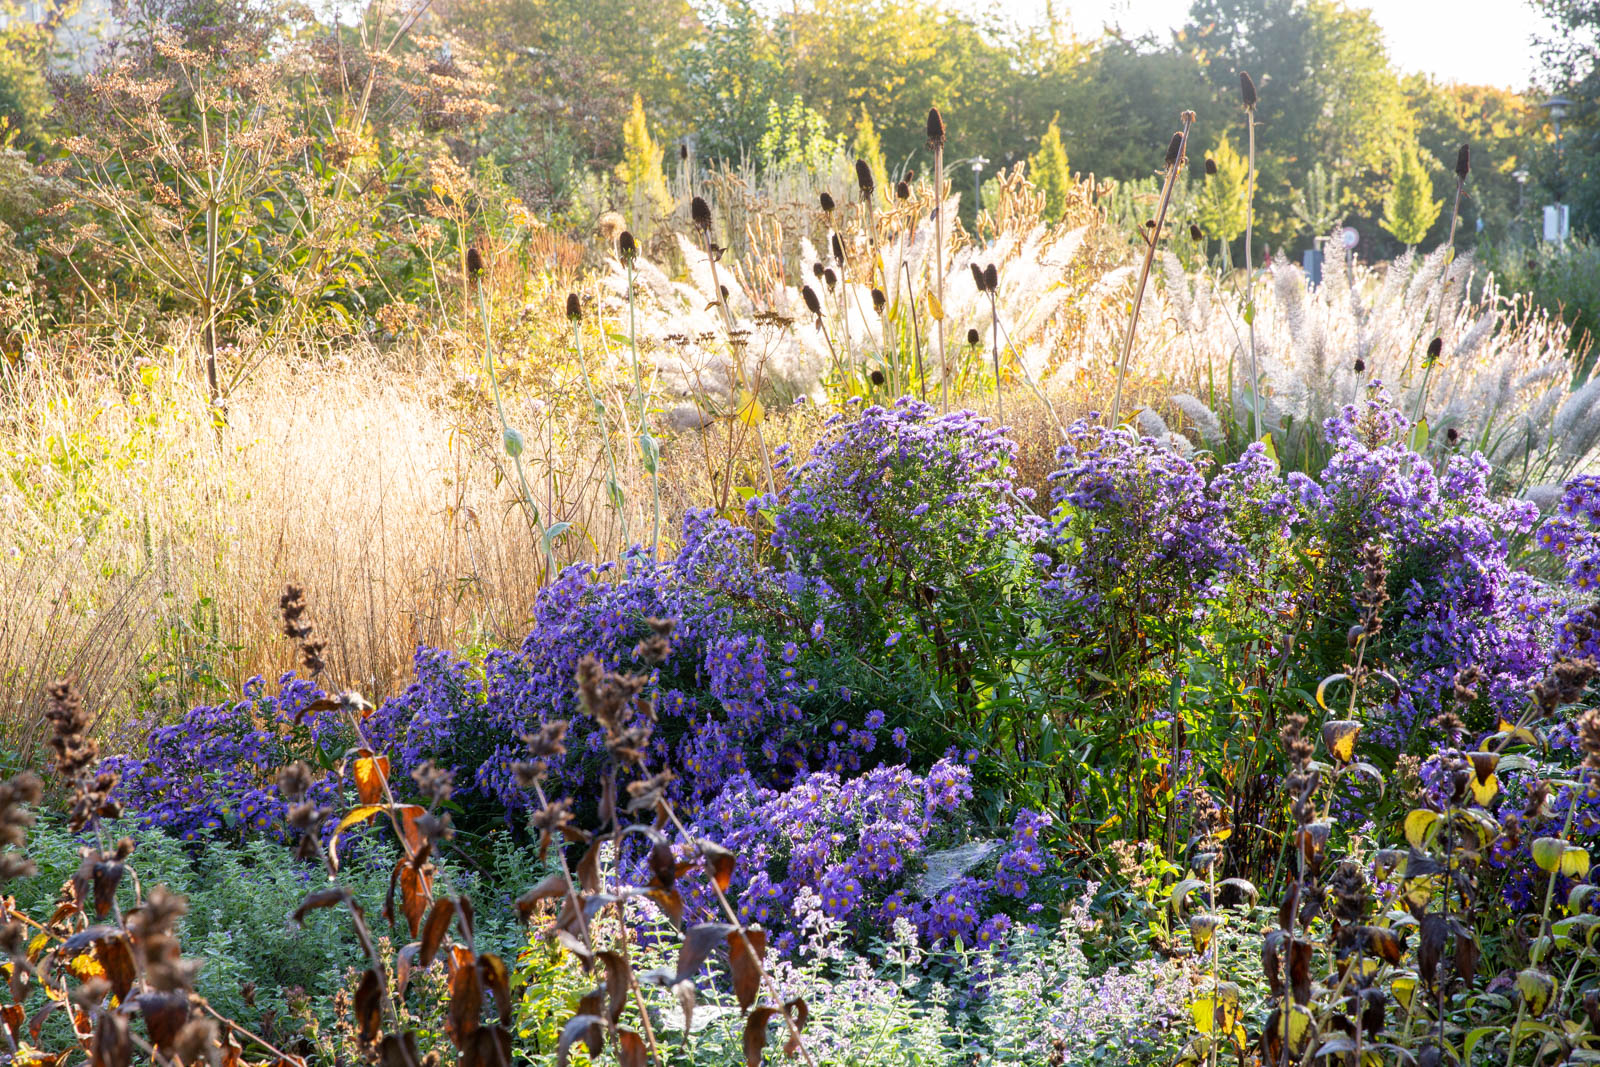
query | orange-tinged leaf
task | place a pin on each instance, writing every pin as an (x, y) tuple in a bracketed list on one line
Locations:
[(371, 772)]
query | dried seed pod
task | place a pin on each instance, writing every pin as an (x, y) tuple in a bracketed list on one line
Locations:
[(826, 200), (838, 250), (830, 278), (902, 190), (816, 270), (1463, 162), (813, 305), (1194, 232), (991, 278), (876, 377), (627, 248), (1211, 166), (574, 309), (878, 300), (474, 261), (972, 336), (977, 277), (1247, 90), (1175, 149), (700, 213), (864, 179), (936, 132)]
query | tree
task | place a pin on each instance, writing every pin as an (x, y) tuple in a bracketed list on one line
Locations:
[(640, 172), (1047, 169), (1409, 208), (1220, 207), (1317, 204), (796, 135)]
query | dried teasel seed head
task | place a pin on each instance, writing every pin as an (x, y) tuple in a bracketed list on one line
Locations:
[(826, 200), (574, 308), (991, 278), (474, 261), (700, 213), (809, 295), (1463, 162), (864, 179), (1211, 166), (972, 336), (1194, 232), (1247, 90), (936, 132), (627, 248), (1175, 149), (902, 190), (878, 300)]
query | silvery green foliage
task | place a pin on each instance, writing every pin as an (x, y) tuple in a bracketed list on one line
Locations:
[(1501, 382)]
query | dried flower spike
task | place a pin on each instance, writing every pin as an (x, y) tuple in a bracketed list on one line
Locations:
[(1247, 90), (1211, 167), (972, 336), (574, 308), (700, 213), (936, 132), (1175, 149), (864, 179), (902, 190), (826, 200), (627, 248), (1463, 162), (474, 261)]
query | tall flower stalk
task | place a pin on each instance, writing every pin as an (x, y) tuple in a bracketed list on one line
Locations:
[(1247, 91), (1436, 346), (1176, 156), (649, 450), (613, 485), (936, 137)]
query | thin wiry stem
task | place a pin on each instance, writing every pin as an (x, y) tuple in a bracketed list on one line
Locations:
[(1250, 274)]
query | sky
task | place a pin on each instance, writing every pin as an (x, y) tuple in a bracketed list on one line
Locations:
[(1478, 42)]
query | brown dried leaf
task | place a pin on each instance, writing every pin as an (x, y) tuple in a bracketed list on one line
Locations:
[(370, 773), (369, 1007), (322, 898), (586, 1028), (116, 958), (589, 868), (497, 980), (552, 887), (616, 984), (745, 952), (755, 1035), (800, 1013), (631, 1051), (571, 942), (719, 864), (466, 1004), (434, 931), (112, 1045), (399, 1051), (684, 992), (405, 963), (1300, 970), (697, 945), (415, 889), (107, 876), (664, 865), (164, 1015)]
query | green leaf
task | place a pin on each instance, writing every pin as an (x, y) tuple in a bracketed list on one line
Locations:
[(1417, 441)]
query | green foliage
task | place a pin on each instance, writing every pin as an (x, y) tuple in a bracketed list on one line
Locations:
[(1048, 170), (868, 145), (1561, 278), (1409, 208), (1318, 206), (1220, 205), (796, 136)]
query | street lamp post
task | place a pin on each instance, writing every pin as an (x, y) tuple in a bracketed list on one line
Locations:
[(978, 163), (1521, 177)]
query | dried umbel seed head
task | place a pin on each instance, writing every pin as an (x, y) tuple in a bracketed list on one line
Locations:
[(1247, 90), (700, 213), (991, 279), (1463, 162), (1211, 167), (878, 300), (1194, 233), (902, 190), (972, 336), (826, 200), (813, 305), (627, 249), (574, 307), (838, 250), (474, 262), (1175, 150), (864, 179), (935, 128), (876, 377)]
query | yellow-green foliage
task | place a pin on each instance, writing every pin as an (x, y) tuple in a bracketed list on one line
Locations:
[(868, 146), (1220, 207), (1409, 208), (1048, 170), (640, 171)]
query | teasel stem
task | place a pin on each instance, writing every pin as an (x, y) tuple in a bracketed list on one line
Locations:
[(994, 330), (506, 436), (613, 486), (916, 330), (936, 137), (1249, 90), (1462, 169), (1175, 157), (648, 447)]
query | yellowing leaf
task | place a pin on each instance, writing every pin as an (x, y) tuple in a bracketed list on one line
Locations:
[(935, 308), (370, 774), (1484, 791), (356, 815), (1575, 862), (1419, 825), (1547, 853), (750, 410)]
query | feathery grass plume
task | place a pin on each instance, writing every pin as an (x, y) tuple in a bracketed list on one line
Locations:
[(1175, 157), (649, 450), (1247, 94), (936, 139), (1205, 420)]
